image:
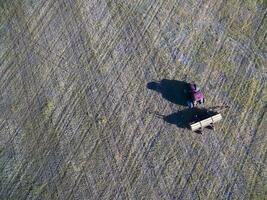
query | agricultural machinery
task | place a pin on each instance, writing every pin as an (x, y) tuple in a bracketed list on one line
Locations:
[(195, 96)]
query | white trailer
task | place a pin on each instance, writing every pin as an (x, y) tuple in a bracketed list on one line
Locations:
[(208, 122)]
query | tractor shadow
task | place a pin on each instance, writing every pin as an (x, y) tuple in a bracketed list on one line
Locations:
[(183, 118), (172, 90)]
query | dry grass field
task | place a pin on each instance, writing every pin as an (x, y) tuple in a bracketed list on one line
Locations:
[(77, 120)]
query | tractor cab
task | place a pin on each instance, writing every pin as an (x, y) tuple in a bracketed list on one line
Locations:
[(196, 96)]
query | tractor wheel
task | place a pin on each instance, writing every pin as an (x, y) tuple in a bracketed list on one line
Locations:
[(201, 101), (190, 104)]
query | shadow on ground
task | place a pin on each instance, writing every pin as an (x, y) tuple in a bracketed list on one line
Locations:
[(171, 90), (183, 118)]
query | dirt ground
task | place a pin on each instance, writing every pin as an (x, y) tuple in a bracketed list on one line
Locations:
[(79, 118)]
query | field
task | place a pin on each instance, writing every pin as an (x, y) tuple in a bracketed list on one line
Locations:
[(79, 121)]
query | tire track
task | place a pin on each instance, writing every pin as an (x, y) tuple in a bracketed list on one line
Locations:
[(229, 126), (31, 107), (10, 71), (26, 25)]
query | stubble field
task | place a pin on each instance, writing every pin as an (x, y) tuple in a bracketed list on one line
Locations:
[(77, 120)]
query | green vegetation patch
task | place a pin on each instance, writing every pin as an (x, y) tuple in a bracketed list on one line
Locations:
[(48, 109), (243, 95), (221, 60)]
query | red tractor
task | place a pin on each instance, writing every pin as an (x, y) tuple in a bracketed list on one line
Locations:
[(196, 96)]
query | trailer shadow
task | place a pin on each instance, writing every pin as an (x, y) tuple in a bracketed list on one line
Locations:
[(183, 118), (171, 90)]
